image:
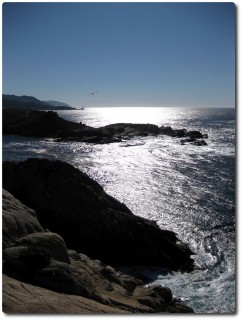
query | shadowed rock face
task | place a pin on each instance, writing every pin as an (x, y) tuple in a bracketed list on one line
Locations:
[(73, 205), (42, 276), (49, 124), (51, 242)]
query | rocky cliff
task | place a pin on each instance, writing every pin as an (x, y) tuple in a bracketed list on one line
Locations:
[(75, 206), (42, 276)]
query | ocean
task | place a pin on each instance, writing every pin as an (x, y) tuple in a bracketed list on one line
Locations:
[(185, 188)]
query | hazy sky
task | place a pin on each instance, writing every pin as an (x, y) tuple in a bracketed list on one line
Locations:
[(133, 54)]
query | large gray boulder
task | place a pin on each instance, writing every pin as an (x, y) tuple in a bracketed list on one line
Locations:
[(17, 220)]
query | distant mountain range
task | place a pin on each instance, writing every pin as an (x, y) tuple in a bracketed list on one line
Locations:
[(10, 101)]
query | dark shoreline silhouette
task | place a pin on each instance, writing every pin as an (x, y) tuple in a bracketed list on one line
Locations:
[(50, 125)]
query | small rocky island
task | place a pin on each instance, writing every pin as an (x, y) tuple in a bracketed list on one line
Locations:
[(64, 239), (50, 125)]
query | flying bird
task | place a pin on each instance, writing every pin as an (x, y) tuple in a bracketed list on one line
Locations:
[(92, 93)]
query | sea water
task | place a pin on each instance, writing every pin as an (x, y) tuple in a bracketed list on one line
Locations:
[(185, 188)]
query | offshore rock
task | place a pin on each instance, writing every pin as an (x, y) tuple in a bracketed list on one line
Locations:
[(90, 221), (194, 134), (193, 141), (172, 132)]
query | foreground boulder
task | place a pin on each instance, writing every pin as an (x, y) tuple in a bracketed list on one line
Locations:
[(42, 276), (17, 220), (20, 297), (45, 242), (90, 221)]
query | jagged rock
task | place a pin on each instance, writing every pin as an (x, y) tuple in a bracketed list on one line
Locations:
[(17, 220), (178, 308), (90, 221), (83, 277), (120, 130), (156, 297), (194, 134), (21, 297), (200, 142), (180, 133), (193, 141), (166, 131), (183, 141), (39, 265)]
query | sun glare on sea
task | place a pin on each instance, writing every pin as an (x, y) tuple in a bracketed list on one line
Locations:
[(133, 114)]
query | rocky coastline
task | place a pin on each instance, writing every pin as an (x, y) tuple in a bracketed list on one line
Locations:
[(64, 238), (49, 125)]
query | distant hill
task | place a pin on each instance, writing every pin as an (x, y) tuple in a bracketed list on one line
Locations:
[(57, 104), (10, 101), (27, 99)]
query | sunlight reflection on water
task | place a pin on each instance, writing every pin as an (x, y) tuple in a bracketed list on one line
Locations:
[(187, 189), (98, 117)]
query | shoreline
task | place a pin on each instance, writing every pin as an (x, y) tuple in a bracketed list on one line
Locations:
[(48, 124)]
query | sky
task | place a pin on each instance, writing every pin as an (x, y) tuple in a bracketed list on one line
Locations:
[(132, 54)]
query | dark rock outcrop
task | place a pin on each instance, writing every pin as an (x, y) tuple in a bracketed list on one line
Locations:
[(193, 141), (194, 134), (38, 124), (49, 124), (200, 142), (73, 205), (39, 272), (173, 133)]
